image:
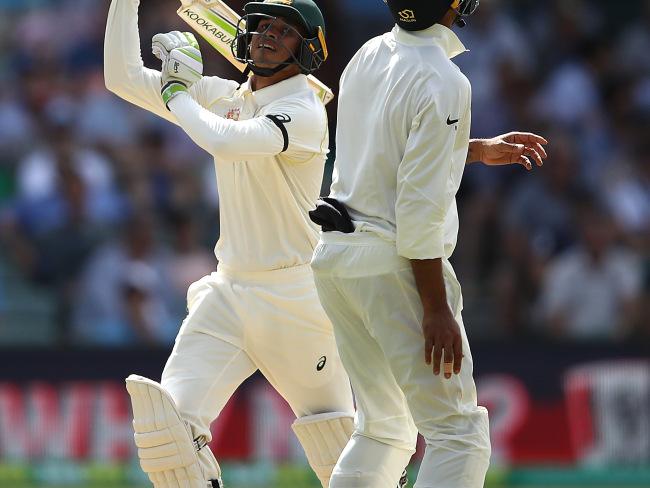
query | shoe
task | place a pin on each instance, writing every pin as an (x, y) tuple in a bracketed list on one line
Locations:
[(404, 480)]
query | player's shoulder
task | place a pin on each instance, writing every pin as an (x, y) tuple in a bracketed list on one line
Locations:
[(446, 89), (301, 113), (302, 104), (376, 42), (440, 74), (372, 47)]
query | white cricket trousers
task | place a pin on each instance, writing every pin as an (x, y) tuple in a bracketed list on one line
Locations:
[(239, 322), (369, 293)]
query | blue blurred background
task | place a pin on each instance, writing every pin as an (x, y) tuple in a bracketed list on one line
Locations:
[(107, 214)]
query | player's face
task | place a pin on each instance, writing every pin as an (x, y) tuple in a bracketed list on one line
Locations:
[(274, 42)]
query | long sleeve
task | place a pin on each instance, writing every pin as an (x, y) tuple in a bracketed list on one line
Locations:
[(124, 72), (429, 176), (290, 128)]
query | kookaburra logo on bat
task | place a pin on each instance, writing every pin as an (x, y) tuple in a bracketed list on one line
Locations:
[(407, 15), (208, 26)]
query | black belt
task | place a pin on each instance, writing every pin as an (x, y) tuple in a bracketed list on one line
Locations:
[(331, 215)]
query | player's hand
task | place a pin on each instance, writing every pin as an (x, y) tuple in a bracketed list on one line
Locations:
[(182, 63), (442, 341), (512, 148)]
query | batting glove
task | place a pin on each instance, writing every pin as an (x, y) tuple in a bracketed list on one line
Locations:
[(182, 64)]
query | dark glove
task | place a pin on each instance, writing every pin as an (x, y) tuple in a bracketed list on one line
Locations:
[(331, 215)]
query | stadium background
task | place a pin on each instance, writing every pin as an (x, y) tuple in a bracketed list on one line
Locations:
[(107, 214)]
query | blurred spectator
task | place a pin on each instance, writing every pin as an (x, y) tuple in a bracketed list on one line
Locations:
[(189, 261), (100, 109), (145, 313), (516, 280), (495, 41), (57, 256), (122, 279), (592, 290), (541, 206), (634, 43), (571, 96), (16, 127), (644, 312), (146, 173), (628, 195), (75, 161), (39, 173)]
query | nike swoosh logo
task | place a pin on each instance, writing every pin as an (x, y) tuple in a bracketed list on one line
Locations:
[(451, 122)]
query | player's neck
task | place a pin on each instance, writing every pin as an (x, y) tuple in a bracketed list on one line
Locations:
[(259, 82)]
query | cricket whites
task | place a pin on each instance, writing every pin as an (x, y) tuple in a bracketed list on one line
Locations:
[(217, 23)]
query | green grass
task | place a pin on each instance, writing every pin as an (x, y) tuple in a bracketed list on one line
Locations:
[(267, 476), (310, 486)]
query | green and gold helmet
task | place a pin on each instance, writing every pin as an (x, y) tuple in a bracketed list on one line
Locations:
[(303, 15)]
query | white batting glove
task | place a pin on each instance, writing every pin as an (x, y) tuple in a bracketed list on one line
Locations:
[(182, 63)]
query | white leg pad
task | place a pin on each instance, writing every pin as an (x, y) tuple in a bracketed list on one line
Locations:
[(168, 454), (323, 437)]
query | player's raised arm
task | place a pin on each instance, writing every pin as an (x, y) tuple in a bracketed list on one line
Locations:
[(124, 72), (296, 130)]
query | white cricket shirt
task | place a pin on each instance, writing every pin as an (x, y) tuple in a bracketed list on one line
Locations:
[(269, 148), (402, 139)]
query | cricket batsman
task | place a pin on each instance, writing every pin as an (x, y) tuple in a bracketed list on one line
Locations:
[(382, 265), (260, 310)]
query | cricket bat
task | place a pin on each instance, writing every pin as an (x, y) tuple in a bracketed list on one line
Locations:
[(217, 23)]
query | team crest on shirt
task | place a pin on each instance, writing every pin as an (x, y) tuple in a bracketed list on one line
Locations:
[(233, 113)]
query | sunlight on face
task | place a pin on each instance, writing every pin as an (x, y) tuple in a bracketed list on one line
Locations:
[(274, 42)]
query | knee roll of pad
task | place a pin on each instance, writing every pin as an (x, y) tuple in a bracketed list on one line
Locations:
[(167, 452), (323, 437)]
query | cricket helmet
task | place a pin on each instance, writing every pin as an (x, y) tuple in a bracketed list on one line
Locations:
[(303, 14), (416, 15)]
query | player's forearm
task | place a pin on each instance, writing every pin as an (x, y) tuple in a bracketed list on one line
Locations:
[(430, 283), (225, 139), (204, 128), (474, 152)]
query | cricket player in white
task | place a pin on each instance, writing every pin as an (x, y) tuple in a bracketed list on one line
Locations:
[(260, 310), (386, 282)]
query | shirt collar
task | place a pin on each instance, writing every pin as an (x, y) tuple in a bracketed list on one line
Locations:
[(437, 34), (278, 90)]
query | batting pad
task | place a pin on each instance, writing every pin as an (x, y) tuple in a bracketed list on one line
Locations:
[(165, 447), (323, 437)]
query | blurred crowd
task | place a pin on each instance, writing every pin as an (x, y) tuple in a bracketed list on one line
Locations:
[(111, 213)]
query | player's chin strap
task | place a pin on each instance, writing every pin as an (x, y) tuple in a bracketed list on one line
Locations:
[(267, 72)]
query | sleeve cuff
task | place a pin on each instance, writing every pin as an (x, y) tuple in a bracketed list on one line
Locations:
[(171, 90), (421, 244)]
